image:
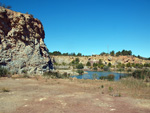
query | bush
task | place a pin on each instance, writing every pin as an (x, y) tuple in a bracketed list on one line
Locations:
[(141, 74), (80, 66), (3, 72), (80, 72), (106, 68), (51, 74), (95, 68), (103, 77), (109, 64), (111, 77), (88, 64), (95, 64), (76, 61), (24, 71)]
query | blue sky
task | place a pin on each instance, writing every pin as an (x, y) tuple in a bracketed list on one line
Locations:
[(91, 26)]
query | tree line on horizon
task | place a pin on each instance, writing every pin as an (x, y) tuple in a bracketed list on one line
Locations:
[(112, 53)]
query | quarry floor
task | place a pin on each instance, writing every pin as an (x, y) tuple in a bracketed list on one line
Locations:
[(32, 95)]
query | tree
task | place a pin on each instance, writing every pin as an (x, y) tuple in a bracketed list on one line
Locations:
[(55, 53), (77, 60), (65, 54), (80, 66), (72, 54), (106, 68), (118, 53), (112, 53), (95, 64), (109, 64), (128, 65), (80, 72), (95, 68), (88, 64), (79, 54), (100, 62), (103, 53)]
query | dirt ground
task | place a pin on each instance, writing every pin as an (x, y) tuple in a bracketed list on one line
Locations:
[(29, 95)]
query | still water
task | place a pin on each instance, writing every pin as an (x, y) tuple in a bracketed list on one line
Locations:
[(90, 75)]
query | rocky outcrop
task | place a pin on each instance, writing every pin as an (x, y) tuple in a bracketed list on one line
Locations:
[(22, 43), (114, 60)]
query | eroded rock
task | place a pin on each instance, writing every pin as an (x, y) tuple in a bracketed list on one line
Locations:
[(22, 44)]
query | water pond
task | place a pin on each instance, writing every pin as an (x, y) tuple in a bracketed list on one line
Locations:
[(90, 75)]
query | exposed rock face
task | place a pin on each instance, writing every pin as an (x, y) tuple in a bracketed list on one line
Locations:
[(22, 43), (95, 59)]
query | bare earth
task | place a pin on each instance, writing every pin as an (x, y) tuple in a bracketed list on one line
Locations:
[(65, 96)]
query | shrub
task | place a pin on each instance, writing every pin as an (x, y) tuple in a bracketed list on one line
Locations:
[(141, 74), (51, 74), (80, 66), (80, 72), (101, 66), (3, 72), (95, 68), (95, 64), (24, 71), (106, 68), (111, 77), (103, 77), (88, 64), (109, 64), (128, 65)]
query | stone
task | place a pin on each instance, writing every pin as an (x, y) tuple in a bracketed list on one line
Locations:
[(22, 44)]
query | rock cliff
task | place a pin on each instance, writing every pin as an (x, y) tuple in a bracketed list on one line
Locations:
[(114, 60), (22, 43)]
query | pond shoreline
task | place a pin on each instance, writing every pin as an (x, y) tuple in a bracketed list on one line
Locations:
[(90, 74)]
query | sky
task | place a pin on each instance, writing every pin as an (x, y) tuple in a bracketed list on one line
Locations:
[(91, 26)]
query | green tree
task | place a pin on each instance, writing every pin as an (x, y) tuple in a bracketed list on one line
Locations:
[(80, 66), (56, 53), (65, 54), (95, 68), (79, 54), (109, 64), (100, 62), (95, 64), (118, 53), (106, 68), (88, 64), (77, 60), (128, 65), (112, 53), (80, 72)]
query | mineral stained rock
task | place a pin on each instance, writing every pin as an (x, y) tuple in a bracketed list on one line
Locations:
[(22, 44)]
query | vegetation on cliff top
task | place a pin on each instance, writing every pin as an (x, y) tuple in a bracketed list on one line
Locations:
[(112, 53)]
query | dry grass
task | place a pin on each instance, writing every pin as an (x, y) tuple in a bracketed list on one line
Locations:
[(126, 87), (135, 88)]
